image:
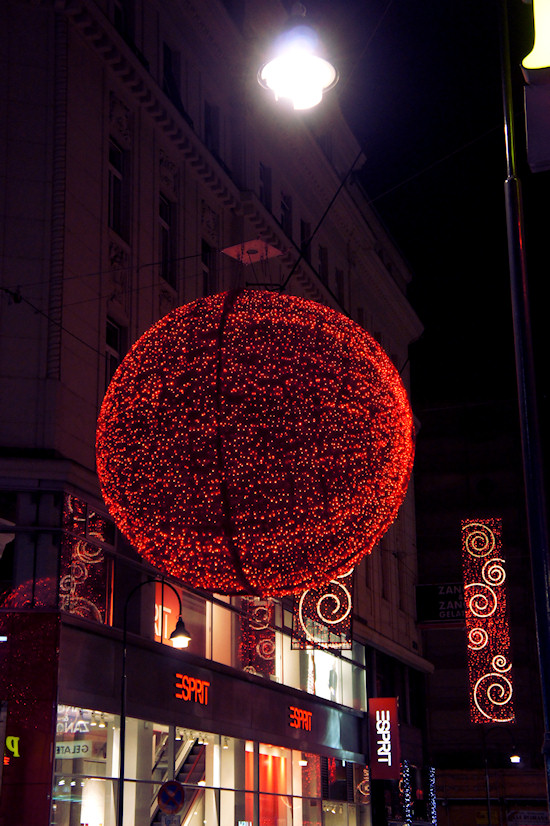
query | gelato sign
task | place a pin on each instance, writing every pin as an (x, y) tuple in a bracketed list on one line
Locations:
[(74, 750)]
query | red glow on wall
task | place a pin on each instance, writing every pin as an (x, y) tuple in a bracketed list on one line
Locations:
[(255, 443), (489, 663)]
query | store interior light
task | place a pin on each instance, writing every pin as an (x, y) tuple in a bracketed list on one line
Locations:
[(225, 743), (515, 758), (302, 761), (180, 636), (102, 721), (297, 73)]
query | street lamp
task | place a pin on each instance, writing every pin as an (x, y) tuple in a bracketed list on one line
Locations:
[(513, 757), (180, 639), (296, 72), (531, 443)]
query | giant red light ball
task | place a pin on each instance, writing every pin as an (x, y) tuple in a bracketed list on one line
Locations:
[(252, 442)]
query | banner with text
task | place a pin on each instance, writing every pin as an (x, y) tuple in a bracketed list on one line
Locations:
[(384, 744)]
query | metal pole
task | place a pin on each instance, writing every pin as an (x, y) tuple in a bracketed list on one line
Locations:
[(488, 790), (487, 783), (122, 749), (528, 413)]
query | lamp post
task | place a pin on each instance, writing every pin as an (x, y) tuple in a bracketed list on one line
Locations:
[(528, 413), (180, 639)]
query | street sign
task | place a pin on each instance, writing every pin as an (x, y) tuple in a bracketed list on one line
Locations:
[(171, 797)]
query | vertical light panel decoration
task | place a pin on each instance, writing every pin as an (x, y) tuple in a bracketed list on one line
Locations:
[(257, 639), (84, 568), (432, 798), (488, 635), (407, 792), (322, 617)]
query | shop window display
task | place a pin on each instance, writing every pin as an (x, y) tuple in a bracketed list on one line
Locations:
[(226, 780)]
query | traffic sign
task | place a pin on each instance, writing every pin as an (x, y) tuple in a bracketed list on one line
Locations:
[(171, 797)]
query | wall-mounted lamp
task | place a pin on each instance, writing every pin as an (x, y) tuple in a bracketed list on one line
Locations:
[(180, 639), (180, 636)]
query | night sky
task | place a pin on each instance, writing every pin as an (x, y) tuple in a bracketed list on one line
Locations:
[(421, 87)]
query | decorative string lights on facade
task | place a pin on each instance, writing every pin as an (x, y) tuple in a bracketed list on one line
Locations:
[(253, 442), (257, 637), (432, 797), (322, 617), (489, 663), (407, 791), (81, 585)]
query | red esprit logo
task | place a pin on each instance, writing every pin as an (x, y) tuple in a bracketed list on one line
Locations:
[(192, 689), (300, 718)]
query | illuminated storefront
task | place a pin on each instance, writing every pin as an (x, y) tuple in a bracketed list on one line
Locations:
[(246, 749), (227, 780), (258, 730)]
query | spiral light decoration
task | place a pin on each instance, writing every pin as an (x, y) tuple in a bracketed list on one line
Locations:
[(255, 443), (322, 616), (489, 663)]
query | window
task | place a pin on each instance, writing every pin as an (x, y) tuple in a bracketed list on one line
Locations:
[(212, 128), (208, 265), (118, 181), (115, 347), (221, 774), (123, 17), (85, 568), (167, 241), (286, 214), (323, 264), (265, 186), (171, 84), (305, 238)]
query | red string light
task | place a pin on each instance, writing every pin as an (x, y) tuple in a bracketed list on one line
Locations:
[(488, 633), (252, 442)]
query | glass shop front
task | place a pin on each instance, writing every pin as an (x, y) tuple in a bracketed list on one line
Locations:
[(227, 781)]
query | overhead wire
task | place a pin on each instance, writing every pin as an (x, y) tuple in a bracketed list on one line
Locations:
[(15, 294)]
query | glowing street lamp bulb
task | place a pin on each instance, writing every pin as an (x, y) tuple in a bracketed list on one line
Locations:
[(180, 637), (298, 74)]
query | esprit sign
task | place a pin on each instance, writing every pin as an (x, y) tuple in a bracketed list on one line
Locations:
[(299, 718), (385, 751), (191, 689)]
